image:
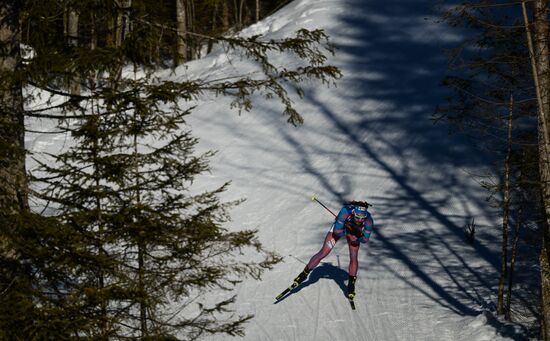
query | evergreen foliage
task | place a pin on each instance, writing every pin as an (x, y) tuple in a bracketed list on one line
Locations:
[(124, 186), (129, 249)]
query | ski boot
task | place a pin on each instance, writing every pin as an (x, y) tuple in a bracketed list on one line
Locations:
[(301, 277), (297, 281), (351, 287)]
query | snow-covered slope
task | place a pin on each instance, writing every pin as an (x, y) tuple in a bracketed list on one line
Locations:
[(370, 138)]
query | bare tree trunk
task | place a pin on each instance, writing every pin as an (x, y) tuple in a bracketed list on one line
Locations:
[(505, 214), (539, 62), (122, 21), (71, 27), (118, 23), (110, 37), (241, 10), (236, 14), (93, 32), (543, 67), (193, 48), (13, 181), (214, 23), (257, 10), (119, 28), (181, 30), (225, 16), (71, 34)]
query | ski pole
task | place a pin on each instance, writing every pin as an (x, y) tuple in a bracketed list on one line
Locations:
[(313, 198)]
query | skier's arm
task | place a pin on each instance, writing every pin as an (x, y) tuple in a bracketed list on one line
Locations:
[(367, 230), (339, 222)]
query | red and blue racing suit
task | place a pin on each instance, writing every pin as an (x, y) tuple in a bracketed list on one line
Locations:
[(343, 226)]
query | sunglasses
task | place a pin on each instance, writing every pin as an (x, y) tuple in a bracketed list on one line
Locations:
[(360, 216)]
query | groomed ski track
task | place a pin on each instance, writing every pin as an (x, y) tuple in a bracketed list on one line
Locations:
[(370, 138)]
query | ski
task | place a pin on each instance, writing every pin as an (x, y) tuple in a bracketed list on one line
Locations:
[(297, 281), (352, 303), (281, 295), (350, 298), (286, 291)]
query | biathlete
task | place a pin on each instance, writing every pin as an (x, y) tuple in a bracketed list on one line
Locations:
[(356, 224)]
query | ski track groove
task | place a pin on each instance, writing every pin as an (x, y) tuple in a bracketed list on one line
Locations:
[(356, 316), (318, 311), (262, 328)]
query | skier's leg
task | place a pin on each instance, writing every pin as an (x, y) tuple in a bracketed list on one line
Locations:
[(353, 263), (328, 244)]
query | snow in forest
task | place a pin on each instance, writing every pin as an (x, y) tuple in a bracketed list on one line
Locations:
[(370, 138)]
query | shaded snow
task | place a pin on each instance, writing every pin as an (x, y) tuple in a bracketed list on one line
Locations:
[(370, 138)]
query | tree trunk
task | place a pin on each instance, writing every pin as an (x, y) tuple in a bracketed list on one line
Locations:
[(71, 35), (119, 26), (71, 27), (505, 214), (214, 24), (118, 23), (225, 16), (181, 30), (193, 45), (539, 61), (543, 67), (93, 31), (257, 10), (141, 288), (122, 21), (99, 237), (141, 244), (236, 14), (110, 37), (13, 181), (241, 11)]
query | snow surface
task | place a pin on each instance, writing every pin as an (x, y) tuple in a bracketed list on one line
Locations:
[(370, 138)]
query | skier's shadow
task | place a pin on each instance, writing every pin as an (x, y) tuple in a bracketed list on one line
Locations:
[(325, 270)]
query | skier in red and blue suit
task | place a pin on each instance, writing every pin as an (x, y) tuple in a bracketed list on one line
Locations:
[(356, 224)]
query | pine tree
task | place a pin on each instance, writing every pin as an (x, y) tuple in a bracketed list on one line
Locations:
[(124, 186), (15, 283), (129, 250), (13, 187)]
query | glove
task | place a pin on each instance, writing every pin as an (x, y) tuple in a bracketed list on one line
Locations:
[(356, 231), (353, 240)]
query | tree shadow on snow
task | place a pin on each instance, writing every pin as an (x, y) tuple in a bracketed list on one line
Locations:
[(381, 112), (395, 65)]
